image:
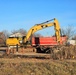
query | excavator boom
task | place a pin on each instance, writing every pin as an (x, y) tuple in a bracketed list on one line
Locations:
[(35, 28), (42, 26)]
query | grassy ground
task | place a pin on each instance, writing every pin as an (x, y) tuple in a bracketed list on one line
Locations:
[(62, 62), (26, 66)]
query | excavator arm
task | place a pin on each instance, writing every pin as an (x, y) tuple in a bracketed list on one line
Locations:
[(14, 41), (41, 26)]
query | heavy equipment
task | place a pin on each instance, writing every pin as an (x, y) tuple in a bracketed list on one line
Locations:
[(23, 41), (15, 40)]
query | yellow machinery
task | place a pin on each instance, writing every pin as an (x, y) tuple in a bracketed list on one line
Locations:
[(15, 41)]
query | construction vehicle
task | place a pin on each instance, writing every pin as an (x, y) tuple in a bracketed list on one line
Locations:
[(23, 41)]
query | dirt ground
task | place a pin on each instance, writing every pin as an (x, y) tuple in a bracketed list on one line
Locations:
[(33, 60)]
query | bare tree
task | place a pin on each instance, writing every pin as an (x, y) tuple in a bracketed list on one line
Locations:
[(6, 33), (69, 31), (22, 31), (3, 36), (74, 38)]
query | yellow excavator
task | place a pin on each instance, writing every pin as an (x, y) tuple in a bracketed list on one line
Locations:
[(13, 41)]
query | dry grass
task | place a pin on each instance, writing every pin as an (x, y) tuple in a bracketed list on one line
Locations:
[(19, 66), (65, 52), (65, 65)]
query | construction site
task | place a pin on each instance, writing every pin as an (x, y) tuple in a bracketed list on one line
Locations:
[(37, 37), (55, 47), (18, 50)]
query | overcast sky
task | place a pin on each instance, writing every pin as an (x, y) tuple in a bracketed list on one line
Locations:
[(17, 14)]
